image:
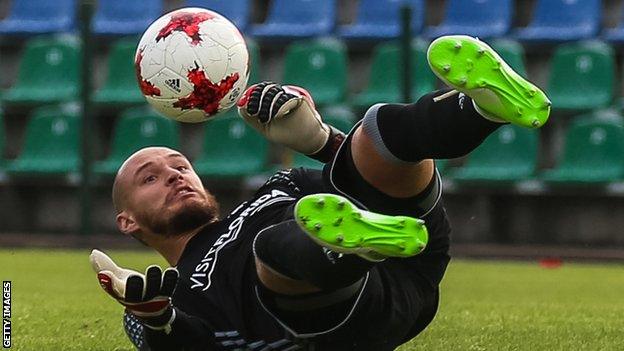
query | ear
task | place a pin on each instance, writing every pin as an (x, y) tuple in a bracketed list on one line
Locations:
[(126, 223)]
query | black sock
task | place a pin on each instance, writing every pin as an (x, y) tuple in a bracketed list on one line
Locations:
[(285, 248), (427, 129)]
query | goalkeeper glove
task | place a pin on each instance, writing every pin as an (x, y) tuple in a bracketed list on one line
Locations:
[(287, 115), (147, 296)]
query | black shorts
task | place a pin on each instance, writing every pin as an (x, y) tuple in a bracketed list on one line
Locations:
[(398, 298)]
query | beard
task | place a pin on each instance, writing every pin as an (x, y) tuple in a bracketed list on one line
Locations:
[(189, 215)]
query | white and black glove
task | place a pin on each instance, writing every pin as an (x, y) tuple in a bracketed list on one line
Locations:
[(286, 115), (148, 296)]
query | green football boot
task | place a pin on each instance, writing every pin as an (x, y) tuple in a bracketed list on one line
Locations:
[(334, 222), (499, 93)]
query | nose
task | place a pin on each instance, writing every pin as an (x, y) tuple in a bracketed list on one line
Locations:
[(174, 176)]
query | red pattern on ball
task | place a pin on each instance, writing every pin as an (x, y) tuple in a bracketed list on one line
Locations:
[(146, 87), (186, 22), (206, 95)]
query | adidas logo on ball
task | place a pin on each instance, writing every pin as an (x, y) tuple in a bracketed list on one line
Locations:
[(174, 84)]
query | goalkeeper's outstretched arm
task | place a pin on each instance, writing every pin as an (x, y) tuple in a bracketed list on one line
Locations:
[(286, 115), (148, 297)]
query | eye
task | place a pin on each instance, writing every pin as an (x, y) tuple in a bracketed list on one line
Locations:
[(182, 168), (149, 179)]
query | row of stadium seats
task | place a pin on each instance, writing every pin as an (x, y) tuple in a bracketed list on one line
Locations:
[(552, 20), (582, 74), (49, 72), (592, 152), (52, 145)]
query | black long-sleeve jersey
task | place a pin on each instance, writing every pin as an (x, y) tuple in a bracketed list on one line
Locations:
[(217, 300)]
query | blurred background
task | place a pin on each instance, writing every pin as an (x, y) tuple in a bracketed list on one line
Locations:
[(554, 192)]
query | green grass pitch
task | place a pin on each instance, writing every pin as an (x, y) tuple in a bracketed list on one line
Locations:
[(486, 305)]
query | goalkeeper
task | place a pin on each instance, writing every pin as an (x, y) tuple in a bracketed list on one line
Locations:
[(349, 258)]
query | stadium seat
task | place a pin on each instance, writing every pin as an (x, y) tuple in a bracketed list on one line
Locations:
[(32, 17), (592, 153), (512, 52), (608, 114), (562, 20), (381, 20), (508, 155), (340, 117), (582, 76), (237, 11), (229, 138), (384, 83), (122, 17), (136, 129), (321, 67), (48, 72), (121, 85), (480, 18), (51, 144), (292, 19)]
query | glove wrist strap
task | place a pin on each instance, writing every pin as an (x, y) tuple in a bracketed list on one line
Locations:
[(328, 151), (163, 327)]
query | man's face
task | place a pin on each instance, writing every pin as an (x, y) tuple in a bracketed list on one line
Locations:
[(163, 194)]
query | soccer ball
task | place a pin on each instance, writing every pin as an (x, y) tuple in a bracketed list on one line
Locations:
[(191, 64)]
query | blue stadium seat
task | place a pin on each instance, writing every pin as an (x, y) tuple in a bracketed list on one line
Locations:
[(562, 20), (380, 19), (28, 17), (480, 18), (292, 19), (236, 11), (122, 17)]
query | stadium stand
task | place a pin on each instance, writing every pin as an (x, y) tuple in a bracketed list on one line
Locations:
[(122, 17), (292, 19), (135, 129), (237, 11), (120, 86), (320, 66), (563, 20), (340, 117), (508, 155), (480, 18), (380, 20), (384, 83), (512, 52), (592, 153), (48, 72), (51, 146), (231, 149), (582, 76), (32, 17)]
